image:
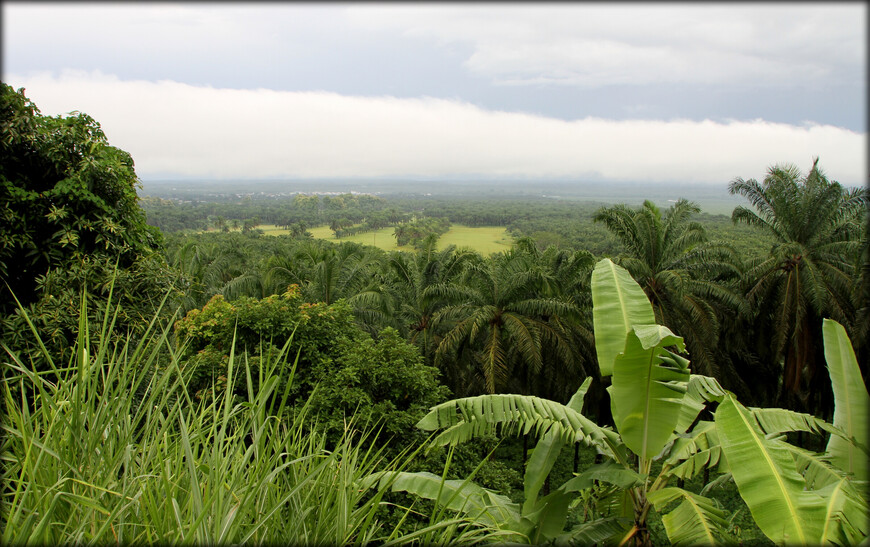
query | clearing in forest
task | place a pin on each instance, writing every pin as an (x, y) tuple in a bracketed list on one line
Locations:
[(485, 240)]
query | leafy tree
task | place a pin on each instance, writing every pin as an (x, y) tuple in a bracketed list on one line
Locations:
[(340, 371), (65, 194), (417, 232), (70, 229), (381, 379), (132, 296), (817, 226)]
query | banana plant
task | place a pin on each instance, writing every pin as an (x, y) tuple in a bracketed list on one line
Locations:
[(657, 406), (796, 496), (653, 396)]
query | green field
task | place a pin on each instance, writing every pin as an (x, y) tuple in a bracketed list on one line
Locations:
[(484, 240)]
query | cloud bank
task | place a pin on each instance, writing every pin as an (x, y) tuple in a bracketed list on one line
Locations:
[(172, 128)]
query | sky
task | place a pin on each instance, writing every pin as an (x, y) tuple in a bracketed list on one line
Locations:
[(648, 92)]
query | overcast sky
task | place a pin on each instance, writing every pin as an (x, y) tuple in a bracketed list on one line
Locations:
[(579, 91)]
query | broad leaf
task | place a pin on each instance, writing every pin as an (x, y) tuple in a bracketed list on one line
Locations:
[(695, 521), (541, 461), (471, 417), (618, 303), (699, 391), (596, 532), (815, 468), (646, 395), (851, 402), (548, 517), (846, 514), (766, 477), (480, 504), (576, 402)]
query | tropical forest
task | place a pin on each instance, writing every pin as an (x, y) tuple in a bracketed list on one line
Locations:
[(322, 364)]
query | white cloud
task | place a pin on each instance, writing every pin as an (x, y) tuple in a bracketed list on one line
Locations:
[(170, 127)]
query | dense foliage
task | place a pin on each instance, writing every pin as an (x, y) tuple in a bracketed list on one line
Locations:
[(66, 194), (339, 370), (69, 216)]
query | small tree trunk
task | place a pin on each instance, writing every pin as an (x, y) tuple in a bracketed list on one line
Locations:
[(576, 456)]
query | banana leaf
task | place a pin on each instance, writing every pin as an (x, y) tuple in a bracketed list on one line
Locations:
[(646, 394), (606, 472), (694, 451), (846, 520), (618, 302), (470, 417), (576, 402), (815, 468), (595, 532), (697, 520), (541, 461), (476, 502), (851, 403), (547, 519), (767, 480), (699, 391)]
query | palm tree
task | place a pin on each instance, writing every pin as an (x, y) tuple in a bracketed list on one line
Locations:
[(412, 277), (217, 267), (495, 326), (680, 271), (327, 272), (810, 272), (565, 275), (282, 269)]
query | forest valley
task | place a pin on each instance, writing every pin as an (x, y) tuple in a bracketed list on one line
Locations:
[(620, 375)]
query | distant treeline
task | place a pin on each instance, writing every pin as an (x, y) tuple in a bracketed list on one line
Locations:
[(563, 223)]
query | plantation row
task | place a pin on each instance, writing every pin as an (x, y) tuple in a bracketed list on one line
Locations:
[(282, 388)]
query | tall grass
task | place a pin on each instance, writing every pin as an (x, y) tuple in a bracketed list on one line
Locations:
[(109, 448)]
